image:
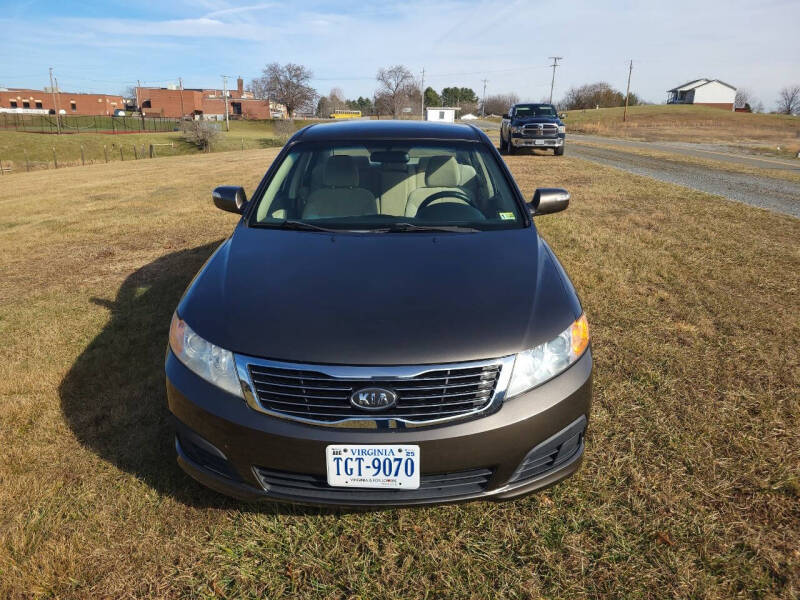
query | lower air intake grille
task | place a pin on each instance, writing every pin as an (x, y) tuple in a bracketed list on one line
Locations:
[(552, 452), (297, 486)]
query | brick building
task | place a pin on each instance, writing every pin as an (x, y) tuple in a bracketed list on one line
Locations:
[(205, 103), (42, 102)]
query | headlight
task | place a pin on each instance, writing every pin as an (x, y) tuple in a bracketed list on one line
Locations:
[(547, 360), (516, 129), (212, 363), (562, 129)]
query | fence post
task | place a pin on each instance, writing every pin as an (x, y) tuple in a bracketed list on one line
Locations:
[(152, 151), (135, 153), (55, 158), (105, 151), (83, 158), (27, 162), (121, 157), (242, 144), (2, 171)]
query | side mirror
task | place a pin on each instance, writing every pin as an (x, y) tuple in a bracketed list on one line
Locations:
[(505, 116), (548, 200), (562, 116), (230, 198)]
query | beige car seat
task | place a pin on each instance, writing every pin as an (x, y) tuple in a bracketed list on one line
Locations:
[(442, 174), (340, 195)]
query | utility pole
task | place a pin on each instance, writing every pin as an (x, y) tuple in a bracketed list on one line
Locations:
[(55, 104), (553, 80), (627, 92), (225, 100), (483, 102), (138, 102), (183, 112), (422, 101)]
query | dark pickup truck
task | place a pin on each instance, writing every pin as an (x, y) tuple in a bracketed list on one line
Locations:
[(532, 126)]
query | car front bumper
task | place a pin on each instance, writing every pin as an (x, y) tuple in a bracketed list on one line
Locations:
[(536, 142), (533, 441)]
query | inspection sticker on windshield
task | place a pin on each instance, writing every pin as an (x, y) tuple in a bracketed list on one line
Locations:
[(506, 216), (384, 466)]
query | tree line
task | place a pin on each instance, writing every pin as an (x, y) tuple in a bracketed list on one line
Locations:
[(398, 92)]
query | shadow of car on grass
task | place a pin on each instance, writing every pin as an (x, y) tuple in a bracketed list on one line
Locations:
[(114, 398)]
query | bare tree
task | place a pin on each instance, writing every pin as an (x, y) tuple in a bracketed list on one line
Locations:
[(203, 134), (744, 98), (288, 85), (499, 104), (789, 100), (394, 86)]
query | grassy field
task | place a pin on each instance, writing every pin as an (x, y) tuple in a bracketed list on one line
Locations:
[(22, 150), (691, 483), (701, 124)]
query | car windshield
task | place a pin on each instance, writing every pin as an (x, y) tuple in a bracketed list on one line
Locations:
[(534, 110), (388, 186)]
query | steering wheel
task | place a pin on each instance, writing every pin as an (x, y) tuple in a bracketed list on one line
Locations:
[(458, 194)]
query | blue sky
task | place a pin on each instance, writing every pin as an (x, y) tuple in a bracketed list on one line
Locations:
[(105, 46)]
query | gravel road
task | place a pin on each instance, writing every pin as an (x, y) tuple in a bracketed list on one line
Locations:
[(719, 152), (773, 194)]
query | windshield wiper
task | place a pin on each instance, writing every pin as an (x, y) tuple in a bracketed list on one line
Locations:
[(303, 226), (412, 227)]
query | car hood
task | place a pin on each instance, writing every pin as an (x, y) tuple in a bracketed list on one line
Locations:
[(379, 299), (526, 120)]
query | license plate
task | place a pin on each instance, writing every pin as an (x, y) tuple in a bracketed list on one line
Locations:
[(539, 142), (379, 466)]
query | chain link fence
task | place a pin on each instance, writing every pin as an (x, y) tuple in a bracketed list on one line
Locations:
[(85, 123)]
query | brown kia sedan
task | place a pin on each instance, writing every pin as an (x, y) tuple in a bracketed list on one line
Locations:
[(384, 326)]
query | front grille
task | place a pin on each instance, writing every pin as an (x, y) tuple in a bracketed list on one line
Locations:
[(428, 396), (552, 452), (540, 130), (298, 486)]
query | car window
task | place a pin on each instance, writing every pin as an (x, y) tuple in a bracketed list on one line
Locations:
[(535, 110), (373, 185)]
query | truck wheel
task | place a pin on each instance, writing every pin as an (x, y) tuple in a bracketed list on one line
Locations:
[(502, 144), (559, 151), (510, 147)]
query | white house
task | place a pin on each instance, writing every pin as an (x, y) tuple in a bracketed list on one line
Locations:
[(706, 92), (441, 114)]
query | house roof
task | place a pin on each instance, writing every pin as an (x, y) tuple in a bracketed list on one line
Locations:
[(699, 83)]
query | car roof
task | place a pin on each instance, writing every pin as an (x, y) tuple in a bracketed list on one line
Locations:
[(358, 129)]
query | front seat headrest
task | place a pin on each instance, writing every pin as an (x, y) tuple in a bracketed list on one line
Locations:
[(340, 171), (442, 171)]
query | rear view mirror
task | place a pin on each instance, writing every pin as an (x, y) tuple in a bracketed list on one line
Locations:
[(230, 198), (548, 200)]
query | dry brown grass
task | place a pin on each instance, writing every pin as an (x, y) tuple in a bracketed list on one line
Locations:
[(700, 124), (692, 476)]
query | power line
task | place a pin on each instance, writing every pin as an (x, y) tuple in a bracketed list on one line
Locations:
[(553, 80)]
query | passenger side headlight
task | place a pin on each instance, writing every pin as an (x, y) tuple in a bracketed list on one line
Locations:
[(545, 361), (562, 129), (516, 129), (214, 364)]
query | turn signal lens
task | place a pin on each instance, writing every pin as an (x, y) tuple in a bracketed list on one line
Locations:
[(580, 335)]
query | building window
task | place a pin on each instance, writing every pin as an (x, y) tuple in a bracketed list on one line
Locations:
[(73, 106), (38, 104), (441, 114), (13, 104), (26, 104)]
